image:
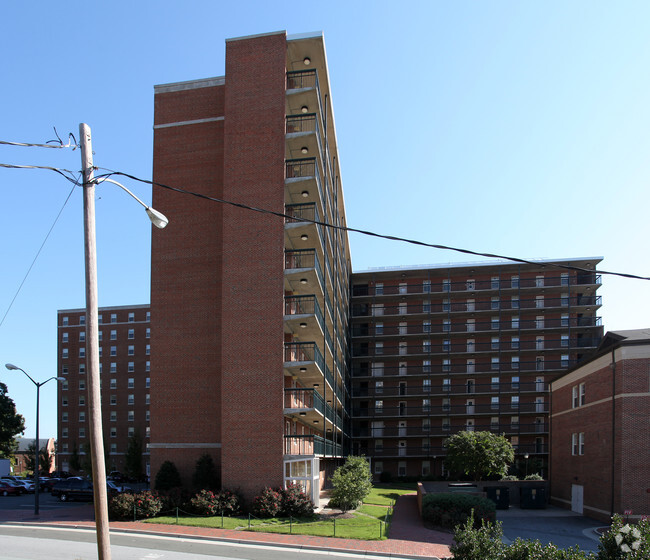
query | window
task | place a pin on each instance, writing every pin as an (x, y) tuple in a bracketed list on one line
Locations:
[(131, 367), (64, 370), (148, 315), (446, 285), (379, 387), (113, 317), (565, 341), (64, 337), (64, 385), (494, 323), (131, 431), (514, 322), (130, 383), (426, 306), (494, 383), (470, 366), (82, 336), (403, 350), (82, 320), (426, 467), (113, 447), (403, 288), (446, 305), (147, 366), (379, 406), (147, 349), (564, 360), (130, 399), (470, 285), (581, 443), (495, 343), (148, 333), (65, 321), (426, 326), (113, 432), (113, 367), (539, 343), (470, 325), (426, 346), (113, 416), (514, 343), (147, 431), (403, 309), (377, 309), (564, 300), (131, 351), (539, 322), (539, 281), (82, 432), (82, 384), (564, 279), (514, 281), (379, 348), (113, 335), (379, 328), (64, 417), (147, 382), (539, 363), (426, 366), (130, 415), (446, 384), (470, 345), (426, 385), (494, 423), (514, 422), (131, 317), (113, 350), (446, 405), (113, 400), (494, 283), (64, 353), (494, 303), (445, 425), (146, 416), (131, 334), (582, 394), (82, 400), (426, 405), (379, 467), (564, 321), (514, 363), (446, 365), (379, 289), (514, 402), (446, 325), (514, 302), (495, 364), (446, 345), (470, 305), (401, 468), (514, 382), (82, 416), (64, 432), (426, 424), (101, 336), (377, 369), (494, 403), (64, 401), (100, 351), (539, 302), (100, 319), (426, 286)]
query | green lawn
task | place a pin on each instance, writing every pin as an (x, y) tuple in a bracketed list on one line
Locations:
[(368, 522)]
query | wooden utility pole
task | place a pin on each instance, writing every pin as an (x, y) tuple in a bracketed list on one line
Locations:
[(92, 349)]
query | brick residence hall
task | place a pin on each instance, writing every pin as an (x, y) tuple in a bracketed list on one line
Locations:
[(263, 349)]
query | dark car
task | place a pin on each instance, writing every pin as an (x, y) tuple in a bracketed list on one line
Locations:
[(46, 484), (8, 489), (73, 489), (21, 489)]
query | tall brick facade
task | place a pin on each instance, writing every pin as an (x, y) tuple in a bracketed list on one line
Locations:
[(600, 430)]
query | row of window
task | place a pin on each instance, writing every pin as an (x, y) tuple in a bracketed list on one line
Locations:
[(377, 368), (65, 337), (470, 304), (113, 368), (496, 422), (470, 284), (578, 395), (113, 418), (495, 384), (82, 434), (113, 383), (495, 404), (113, 351), (65, 321), (112, 400)]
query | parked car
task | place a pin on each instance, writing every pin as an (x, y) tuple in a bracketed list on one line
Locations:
[(113, 488), (78, 489), (116, 476), (19, 487), (28, 484), (8, 489), (46, 484)]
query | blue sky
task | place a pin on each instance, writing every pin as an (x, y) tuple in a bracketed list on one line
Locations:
[(519, 128)]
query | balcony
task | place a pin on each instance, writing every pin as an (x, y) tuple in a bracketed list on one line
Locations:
[(302, 272), (311, 406), (300, 231), (303, 136), (406, 410), (303, 315), (311, 445)]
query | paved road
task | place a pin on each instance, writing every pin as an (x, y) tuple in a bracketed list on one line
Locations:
[(552, 525)]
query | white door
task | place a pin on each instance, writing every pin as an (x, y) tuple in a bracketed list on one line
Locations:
[(577, 494), (402, 429)]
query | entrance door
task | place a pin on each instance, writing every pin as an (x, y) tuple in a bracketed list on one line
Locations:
[(577, 494), (402, 428)]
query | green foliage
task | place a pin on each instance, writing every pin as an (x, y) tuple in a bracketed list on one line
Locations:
[(534, 476), (86, 459), (268, 503), (44, 459), (173, 498), (12, 424), (352, 482), (296, 503), (511, 477), (144, 505), (223, 502), (478, 454), (167, 477), (451, 509), (133, 457), (75, 461), (477, 543), (625, 541), (205, 474)]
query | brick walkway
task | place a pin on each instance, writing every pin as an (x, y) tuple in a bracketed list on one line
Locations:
[(408, 537)]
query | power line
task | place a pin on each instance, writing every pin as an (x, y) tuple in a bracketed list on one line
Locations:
[(58, 170), (58, 143), (371, 233)]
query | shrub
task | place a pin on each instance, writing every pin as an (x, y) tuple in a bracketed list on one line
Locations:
[(385, 476), (533, 476), (174, 498), (296, 503), (205, 474), (268, 503), (209, 503), (352, 482), (511, 477), (615, 543), (145, 504), (167, 477), (451, 509), (482, 543)]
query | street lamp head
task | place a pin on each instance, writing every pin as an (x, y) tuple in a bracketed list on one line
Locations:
[(60, 378), (11, 366), (158, 219)]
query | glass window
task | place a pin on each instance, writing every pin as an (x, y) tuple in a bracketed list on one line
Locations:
[(446, 285), (131, 383), (426, 326), (514, 383), (494, 323), (147, 382), (65, 321), (113, 383), (426, 286), (148, 333), (113, 335), (495, 343), (113, 367), (82, 336), (131, 334), (131, 351), (64, 337), (147, 366), (514, 302), (131, 317), (64, 353), (113, 350), (113, 317), (494, 283), (514, 402), (131, 367), (582, 394), (426, 306), (426, 366), (495, 363), (379, 289), (514, 322), (494, 403), (130, 399), (539, 281), (514, 281), (82, 320), (113, 416)]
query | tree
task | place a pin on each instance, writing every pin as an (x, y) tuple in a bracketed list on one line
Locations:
[(352, 482), (478, 454), (133, 457), (205, 475), (167, 477), (12, 424), (75, 461), (44, 459)]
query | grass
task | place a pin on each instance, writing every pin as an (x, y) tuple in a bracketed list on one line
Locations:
[(367, 523)]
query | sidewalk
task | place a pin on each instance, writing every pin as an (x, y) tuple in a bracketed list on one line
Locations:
[(408, 537)]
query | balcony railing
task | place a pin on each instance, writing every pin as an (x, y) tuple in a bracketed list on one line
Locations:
[(308, 399), (413, 410), (303, 352), (304, 305), (436, 430), (439, 450), (472, 388), (311, 445), (301, 79), (301, 259)]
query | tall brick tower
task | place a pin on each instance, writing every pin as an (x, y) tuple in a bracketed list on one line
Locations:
[(249, 344)]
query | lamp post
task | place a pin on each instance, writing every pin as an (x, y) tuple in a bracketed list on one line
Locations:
[(526, 458), (38, 391), (92, 336)]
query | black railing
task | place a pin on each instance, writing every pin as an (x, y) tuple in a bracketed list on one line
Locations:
[(413, 410)]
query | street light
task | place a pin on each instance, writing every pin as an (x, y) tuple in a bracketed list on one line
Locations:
[(526, 457), (92, 336), (38, 391)]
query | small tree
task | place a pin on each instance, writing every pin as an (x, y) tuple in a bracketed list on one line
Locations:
[(44, 459), (12, 424), (205, 475), (167, 477), (352, 482), (478, 454), (133, 457)]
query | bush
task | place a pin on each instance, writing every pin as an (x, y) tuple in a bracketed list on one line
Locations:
[(296, 503), (482, 543), (210, 503), (167, 477), (205, 475), (385, 476), (511, 477), (174, 498), (268, 503), (451, 509), (615, 543), (352, 482), (533, 476), (145, 504)]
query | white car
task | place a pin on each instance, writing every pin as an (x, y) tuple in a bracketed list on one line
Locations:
[(27, 484)]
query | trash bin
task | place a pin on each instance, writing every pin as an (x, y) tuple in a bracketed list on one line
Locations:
[(533, 498), (500, 495)]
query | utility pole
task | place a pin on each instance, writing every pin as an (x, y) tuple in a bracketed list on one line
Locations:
[(92, 348)]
